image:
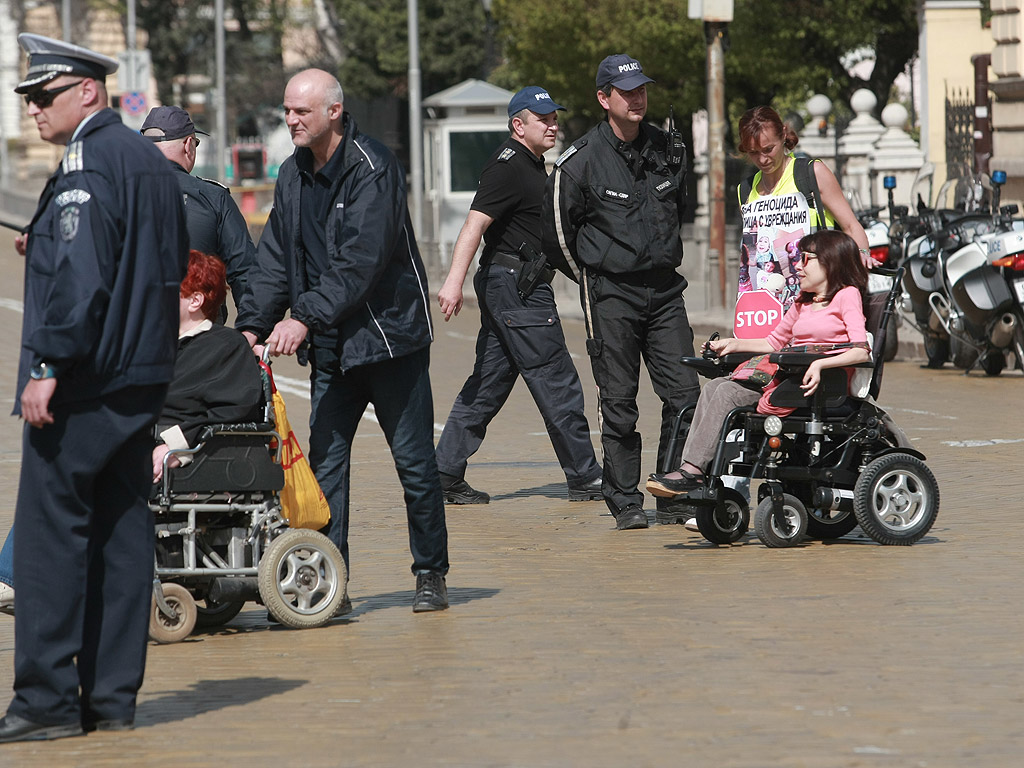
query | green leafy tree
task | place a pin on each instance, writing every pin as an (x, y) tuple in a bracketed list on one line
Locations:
[(180, 38), (373, 38), (780, 51)]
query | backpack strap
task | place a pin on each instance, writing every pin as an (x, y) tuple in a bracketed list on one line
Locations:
[(746, 186), (807, 184)]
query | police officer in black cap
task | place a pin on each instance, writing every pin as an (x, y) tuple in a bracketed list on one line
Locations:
[(215, 225), (520, 333), (104, 256), (613, 209)]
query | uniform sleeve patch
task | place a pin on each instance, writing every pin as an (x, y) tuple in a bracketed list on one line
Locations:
[(78, 196), (506, 154), (69, 218)]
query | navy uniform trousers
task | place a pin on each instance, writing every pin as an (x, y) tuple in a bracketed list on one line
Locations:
[(519, 337), (629, 316), (83, 559)]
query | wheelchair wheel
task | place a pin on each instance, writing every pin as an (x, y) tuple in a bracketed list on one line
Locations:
[(727, 525), (162, 628), (896, 499), (830, 523), (302, 578), (217, 614), (787, 534)]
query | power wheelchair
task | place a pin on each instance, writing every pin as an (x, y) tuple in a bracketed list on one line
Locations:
[(835, 462), (222, 537)]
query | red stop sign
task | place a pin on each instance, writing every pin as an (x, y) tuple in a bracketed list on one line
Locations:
[(757, 314)]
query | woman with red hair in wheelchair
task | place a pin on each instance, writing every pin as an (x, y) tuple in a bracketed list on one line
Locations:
[(828, 311), (216, 379)]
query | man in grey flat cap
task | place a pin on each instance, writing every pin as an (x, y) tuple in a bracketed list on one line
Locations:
[(215, 225), (105, 255)]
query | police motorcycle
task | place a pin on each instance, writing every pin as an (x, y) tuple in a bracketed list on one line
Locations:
[(947, 230), (986, 287), (835, 463)]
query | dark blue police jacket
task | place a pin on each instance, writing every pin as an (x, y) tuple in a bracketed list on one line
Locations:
[(107, 251)]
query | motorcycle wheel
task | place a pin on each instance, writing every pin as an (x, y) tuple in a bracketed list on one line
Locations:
[(993, 363), (936, 349), (964, 357)]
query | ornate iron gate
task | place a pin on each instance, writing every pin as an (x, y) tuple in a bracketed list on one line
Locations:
[(959, 134)]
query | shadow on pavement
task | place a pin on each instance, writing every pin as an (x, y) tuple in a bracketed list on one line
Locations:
[(551, 491), (208, 696), (403, 599)]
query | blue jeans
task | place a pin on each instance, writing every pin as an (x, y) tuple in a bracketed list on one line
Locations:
[(7, 559), (399, 390)]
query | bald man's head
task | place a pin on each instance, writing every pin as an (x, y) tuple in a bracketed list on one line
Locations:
[(313, 107)]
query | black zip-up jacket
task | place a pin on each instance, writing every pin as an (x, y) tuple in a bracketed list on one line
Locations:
[(612, 208), (217, 227), (373, 294), (107, 251)]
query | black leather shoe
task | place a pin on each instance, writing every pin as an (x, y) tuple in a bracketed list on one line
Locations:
[(631, 518), (672, 512), (431, 593), (14, 728), (458, 491), (125, 724), (589, 492), (344, 607)]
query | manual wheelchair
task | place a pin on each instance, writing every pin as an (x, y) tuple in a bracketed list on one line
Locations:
[(835, 462), (222, 537)]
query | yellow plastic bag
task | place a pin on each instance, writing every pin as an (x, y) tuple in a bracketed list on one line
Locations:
[(303, 501)]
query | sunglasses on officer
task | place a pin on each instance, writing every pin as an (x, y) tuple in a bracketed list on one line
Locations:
[(43, 97)]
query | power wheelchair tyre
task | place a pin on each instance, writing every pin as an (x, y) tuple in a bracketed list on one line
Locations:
[(216, 614), (789, 531), (725, 523), (896, 499), (302, 578), (174, 625)]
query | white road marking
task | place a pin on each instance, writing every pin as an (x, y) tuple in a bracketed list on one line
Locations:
[(982, 443), (300, 388)]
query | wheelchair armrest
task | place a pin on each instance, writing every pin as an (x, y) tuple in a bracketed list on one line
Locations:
[(246, 428), (710, 369), (792, 360)]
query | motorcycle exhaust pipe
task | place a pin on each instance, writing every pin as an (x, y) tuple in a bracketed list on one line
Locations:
[(1002, 331)]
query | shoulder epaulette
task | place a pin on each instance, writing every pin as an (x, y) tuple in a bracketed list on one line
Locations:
[(572, 150), (506, 154), (212, 181), (74, 157)]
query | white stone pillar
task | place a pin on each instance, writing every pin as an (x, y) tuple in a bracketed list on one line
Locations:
[(818, 138), (855, 147), (894, 154)]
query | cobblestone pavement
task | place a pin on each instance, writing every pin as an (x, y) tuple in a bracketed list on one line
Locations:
[(571, 644)]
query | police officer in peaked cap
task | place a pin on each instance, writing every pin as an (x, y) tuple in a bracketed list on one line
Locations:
[(520, 332), (105, 253), (215, 225), (613, 209)]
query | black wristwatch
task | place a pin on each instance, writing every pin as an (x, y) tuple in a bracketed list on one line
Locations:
[(42, 371)]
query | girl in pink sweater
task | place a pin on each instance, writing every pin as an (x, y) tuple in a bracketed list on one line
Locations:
[(829, 310)]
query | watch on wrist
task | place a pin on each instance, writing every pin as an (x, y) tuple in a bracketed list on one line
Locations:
[(42, 371)]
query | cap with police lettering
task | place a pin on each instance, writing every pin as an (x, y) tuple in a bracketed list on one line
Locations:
[(533, 98), (622, 71), (174, 122), (49, 59)]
